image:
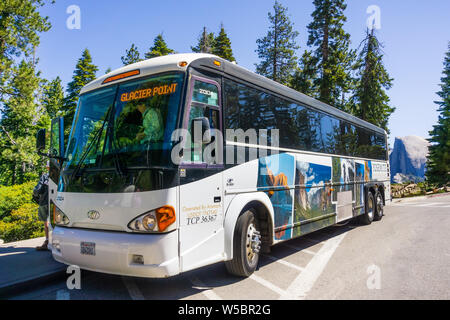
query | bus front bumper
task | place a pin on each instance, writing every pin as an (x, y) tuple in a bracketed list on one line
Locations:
[(116, 252)]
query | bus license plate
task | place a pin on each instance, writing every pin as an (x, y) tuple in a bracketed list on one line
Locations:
[(88, 248)]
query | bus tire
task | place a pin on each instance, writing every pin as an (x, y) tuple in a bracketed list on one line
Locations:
[(369, 213), (379, 207), (246, 246)]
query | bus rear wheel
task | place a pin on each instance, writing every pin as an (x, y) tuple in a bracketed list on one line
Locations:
[(246, 246), (368, 216), (379, 208)]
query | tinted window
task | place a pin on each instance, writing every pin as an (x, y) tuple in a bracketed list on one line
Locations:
[(300, 127)]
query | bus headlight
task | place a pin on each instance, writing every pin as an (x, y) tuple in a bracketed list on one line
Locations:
[(158, 220), (58, 217)]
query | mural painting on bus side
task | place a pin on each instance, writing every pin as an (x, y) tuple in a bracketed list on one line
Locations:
[(343, 175), (359, 187), (367, 171), (275, 176), (312, 196)]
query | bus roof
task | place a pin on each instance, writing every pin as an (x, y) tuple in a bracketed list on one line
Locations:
[(148, 67), (206, 61)]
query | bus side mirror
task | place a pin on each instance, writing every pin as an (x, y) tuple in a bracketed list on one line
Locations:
[(40, 140), (202, 124), (57, 138)]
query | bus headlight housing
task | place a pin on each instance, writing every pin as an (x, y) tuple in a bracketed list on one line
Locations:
[(58, 217), (158, 220)]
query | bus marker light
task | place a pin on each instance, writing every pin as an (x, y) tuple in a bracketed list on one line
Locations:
[(165, 216), (182, 63), (122, 76), (217, 63)]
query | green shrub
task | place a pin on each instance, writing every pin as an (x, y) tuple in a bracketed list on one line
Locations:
[(13, 197), (22, 224)]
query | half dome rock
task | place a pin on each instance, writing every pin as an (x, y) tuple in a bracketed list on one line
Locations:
[(408, 158)]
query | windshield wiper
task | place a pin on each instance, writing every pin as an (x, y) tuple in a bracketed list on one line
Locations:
[(95, 140), (118, 167)]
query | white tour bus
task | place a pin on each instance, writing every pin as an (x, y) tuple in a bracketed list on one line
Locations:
[(256, 164)]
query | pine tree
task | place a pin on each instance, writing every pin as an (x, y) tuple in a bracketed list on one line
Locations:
[(52, 99), (370, 101), (332, 56), (277, 49), (305, 75), (18, 156), (222, 46), (159, 48), (84, 73), (132, 55), (20, 25), (438, 164), (206, 42)]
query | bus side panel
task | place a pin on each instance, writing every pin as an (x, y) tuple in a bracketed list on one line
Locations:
[(360, 177), (380, 173), (299, 188), (276, 176), (314, 208)]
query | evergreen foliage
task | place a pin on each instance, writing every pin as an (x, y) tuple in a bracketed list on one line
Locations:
[(370, 101), (159, 48), (277, 49), (438, 164), (222, 46), (132, 55), (332, 56)]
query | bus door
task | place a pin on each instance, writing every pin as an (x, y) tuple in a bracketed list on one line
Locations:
[(201, 188)]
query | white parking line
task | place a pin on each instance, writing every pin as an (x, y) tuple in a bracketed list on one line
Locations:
[(208, 292), (271, 286), (133, 289), (284, 262), (304, 282), (421, 204), (298, 249), (11, 253), (431, 204)]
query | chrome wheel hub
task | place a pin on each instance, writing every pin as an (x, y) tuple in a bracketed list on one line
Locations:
[(370, 210), (253, 243), (379, 206)]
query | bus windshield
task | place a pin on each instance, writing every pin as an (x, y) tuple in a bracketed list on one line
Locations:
[(126, 125)]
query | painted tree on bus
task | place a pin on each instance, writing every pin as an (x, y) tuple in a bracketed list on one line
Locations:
[(277, 49), (206, 42), (132, 55), (159, 48), (85, 72), (370, 101), (222, 45), (332, 56), (438, 164)]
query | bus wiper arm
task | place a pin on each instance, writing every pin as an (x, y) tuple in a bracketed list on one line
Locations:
[(94, 141)]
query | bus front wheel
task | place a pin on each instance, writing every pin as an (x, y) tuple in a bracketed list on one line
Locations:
[(246, 246)]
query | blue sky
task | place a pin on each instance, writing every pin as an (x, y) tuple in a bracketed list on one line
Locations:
[(415, 35)]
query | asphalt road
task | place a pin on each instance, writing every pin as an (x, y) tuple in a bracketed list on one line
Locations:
[(406, 255)]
